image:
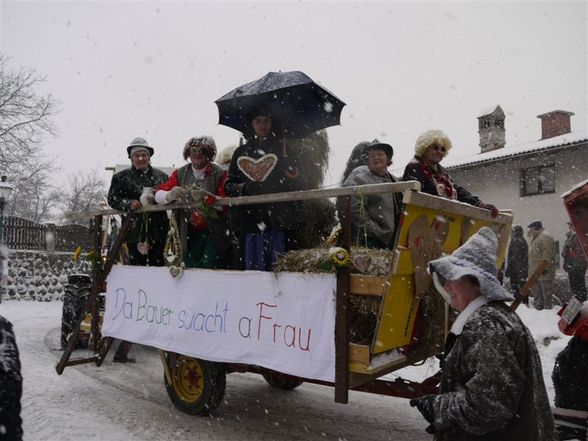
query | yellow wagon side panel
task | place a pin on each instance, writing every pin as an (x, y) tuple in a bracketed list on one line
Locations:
[(457, 222)]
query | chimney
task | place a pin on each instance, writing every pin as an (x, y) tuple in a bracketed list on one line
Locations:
[(555, 123), (491, 129)]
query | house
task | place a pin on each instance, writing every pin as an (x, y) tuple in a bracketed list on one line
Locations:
[(527, 178)]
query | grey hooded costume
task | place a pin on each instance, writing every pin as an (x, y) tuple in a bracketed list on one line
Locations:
[(492, 386)]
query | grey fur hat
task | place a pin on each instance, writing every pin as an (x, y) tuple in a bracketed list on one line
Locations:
[(476, 257)]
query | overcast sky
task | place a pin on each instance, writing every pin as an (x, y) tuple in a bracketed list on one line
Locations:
[(154, 69)]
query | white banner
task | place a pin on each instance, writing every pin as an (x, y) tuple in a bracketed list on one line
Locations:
[(281, 321)]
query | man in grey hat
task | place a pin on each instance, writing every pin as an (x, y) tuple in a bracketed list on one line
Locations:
[(492, 384), (542, 247), (374, 218), (146, 238)]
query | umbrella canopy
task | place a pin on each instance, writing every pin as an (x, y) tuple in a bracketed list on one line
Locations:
[(297, 104)]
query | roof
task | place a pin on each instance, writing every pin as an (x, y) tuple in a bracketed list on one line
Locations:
[(508, 151), (490, 111)]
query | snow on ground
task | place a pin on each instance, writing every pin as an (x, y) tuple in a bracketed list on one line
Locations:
[(129, 402)]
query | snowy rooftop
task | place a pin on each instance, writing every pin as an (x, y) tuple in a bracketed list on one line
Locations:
[(517, 149), (489, 111)]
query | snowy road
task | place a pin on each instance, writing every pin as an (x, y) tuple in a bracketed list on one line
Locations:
[(129, 402)]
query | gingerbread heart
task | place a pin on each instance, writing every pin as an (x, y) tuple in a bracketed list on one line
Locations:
[(257, 169)]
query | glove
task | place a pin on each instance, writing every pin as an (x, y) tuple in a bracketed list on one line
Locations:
[(147, 199), (253, 187), (197, 194), (425, 407), (178, 194), (490, 208)]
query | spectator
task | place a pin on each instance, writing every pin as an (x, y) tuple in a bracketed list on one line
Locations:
[(542, 247), (574, 263), (207, 239), (430, 149), (374, 218), (146, 238), (262, 166), (517, 268), (492, 385)]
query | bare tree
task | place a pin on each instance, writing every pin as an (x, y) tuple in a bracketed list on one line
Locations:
[(25, 119), (86, 193)]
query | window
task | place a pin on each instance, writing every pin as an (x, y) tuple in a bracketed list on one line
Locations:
[(538, 180)]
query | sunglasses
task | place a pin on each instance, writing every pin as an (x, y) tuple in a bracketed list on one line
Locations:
[(438, 148)]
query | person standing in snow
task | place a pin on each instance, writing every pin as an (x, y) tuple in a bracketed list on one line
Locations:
[(146, 238), (492, 385), (575, 264), (542, 247), (430, 149), (207, 240), (374, 218), (260, 166), (517, 267)]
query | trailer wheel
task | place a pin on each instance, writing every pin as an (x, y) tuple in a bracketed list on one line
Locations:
[(281, 382), (197, 386)]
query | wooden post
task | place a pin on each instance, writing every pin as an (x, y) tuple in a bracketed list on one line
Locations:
[(97, 246), (526, 289), (342, 310)]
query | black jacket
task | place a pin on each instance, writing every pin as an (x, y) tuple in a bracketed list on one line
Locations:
[(283, 177), (518, 259), (127, 186)]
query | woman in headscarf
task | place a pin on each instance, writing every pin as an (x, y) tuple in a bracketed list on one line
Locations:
[(430, 149)]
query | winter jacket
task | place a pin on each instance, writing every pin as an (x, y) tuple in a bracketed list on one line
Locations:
[(573, 254), (492, 387), (283, 177), (437, 183), (10, 384), (518, 259), (213, 182), (542, 247), (377, 214), (127, 186)]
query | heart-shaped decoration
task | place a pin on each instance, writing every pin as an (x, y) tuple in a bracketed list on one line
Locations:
[(257, 169), (175, 271), (143, 248)]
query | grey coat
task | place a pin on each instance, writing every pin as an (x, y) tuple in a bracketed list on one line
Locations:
[(492, 387), (542, 247), (377, 213)]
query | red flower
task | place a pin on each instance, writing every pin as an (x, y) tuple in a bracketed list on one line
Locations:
[(209, 200)]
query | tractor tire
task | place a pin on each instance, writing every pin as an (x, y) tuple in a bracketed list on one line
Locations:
[(197, 386), (280, 382)]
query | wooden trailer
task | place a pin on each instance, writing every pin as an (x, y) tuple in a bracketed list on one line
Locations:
[(410, 322)]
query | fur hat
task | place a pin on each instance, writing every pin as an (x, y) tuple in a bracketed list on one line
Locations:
[(476, 257), (139, 142), (205, 143), (429, 138)]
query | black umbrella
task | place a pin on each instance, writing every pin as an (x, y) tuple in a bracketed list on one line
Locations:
[(298, 104)]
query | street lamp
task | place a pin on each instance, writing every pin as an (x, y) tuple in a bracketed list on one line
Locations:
[(5, 190)]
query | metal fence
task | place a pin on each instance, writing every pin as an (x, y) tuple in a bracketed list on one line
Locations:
[(24, 234)]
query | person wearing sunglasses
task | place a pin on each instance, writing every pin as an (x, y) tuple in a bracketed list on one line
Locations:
[(430, 149)]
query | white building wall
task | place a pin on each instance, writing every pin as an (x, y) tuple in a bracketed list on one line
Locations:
[(498, 183)]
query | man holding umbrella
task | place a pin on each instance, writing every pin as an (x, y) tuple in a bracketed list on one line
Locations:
[(262, 166)]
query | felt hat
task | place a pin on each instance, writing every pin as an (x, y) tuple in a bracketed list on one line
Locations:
[(477, 258), (139, 142)]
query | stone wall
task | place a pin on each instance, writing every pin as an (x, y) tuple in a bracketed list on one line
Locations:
[(40, 275)]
